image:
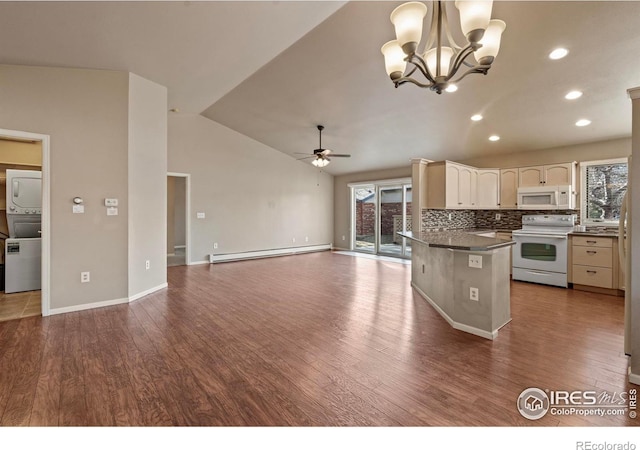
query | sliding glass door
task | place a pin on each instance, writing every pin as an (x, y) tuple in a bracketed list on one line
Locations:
[(379, 212), (364, 218)]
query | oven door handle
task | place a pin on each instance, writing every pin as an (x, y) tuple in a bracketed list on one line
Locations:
[(546, 236)]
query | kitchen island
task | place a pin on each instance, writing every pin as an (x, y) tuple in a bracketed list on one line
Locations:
[(465, 277)]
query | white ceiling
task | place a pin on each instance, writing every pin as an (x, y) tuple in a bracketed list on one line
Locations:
[(274, 70)]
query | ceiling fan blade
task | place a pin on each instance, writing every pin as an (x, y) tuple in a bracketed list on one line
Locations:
[(306, 157), (340, 155), (298, 153)]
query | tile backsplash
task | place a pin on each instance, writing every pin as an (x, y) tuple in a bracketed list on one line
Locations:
[(510, 219)]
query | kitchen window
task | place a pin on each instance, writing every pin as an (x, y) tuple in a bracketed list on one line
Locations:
[(603, 186)]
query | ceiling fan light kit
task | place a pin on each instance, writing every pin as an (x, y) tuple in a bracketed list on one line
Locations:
[(321, 155), (442, 57)]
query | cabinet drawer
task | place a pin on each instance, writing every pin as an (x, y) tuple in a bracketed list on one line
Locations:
[(593, 276), (590, 241), (593, 256)]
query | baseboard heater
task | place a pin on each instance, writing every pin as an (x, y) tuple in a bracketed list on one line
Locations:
[(267, 253)]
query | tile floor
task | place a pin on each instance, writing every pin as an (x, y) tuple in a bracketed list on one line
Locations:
[(20, 304)]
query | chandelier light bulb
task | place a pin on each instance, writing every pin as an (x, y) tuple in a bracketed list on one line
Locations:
[(451, 88), (474, 16), (490, 42), (407, 20)]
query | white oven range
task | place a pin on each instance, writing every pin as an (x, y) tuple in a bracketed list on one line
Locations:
[(540, 252)]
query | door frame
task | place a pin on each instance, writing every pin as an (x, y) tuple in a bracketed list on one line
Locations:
[(377, 184), (45, 140), (187, 213)]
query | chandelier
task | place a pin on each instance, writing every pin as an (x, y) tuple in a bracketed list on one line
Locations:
[(439, 63)]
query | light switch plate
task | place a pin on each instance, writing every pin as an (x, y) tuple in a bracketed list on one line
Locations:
[(112, 211), (200, 215), (78, 209), (110, 202)]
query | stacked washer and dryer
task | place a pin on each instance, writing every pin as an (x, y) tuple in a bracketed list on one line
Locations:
[(23, 248)]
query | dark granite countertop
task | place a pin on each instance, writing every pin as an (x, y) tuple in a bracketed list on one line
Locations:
[(459, 240)]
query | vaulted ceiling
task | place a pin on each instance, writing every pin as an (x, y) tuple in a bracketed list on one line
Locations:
[(274, 70)]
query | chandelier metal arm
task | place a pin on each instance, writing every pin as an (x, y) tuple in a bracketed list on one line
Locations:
[(447, 30), (407, 79), (480, 68), (460, 59), (419, 63)]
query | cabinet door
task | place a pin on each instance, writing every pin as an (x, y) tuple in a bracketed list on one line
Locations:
[(466, 187), (488, 188), (530, 176), (558, 174), (508, 188), (452, 176)]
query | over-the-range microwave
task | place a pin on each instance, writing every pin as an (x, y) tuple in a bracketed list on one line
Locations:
[(546, 197)]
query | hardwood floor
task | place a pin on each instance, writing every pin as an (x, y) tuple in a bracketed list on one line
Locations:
[(316, 339)]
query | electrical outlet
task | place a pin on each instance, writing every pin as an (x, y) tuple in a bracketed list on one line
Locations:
[(85, 277), (215, 245), (306, 238), (344, 238), (475, 261), (449, 216), (498, 216), (293, 240), (147, 264), (474, 294)]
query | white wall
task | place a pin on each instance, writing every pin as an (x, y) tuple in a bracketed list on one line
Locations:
[(147, 176), (592, 151), (85, 113), (254, 197)]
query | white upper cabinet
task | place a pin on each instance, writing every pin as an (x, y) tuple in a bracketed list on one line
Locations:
[(552, 175), (488, 188), (509, 188), (451, 185)]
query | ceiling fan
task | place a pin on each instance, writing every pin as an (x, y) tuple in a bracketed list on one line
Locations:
[(321, 155)]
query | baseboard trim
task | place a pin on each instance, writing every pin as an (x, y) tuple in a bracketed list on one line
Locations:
[(179, 246), (634, 378), (139, 295), (197, 263), (458, 326), (85, 306), (340, 249), (267, 253)]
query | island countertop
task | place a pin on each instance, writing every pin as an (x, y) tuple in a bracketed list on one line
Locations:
[(458, 240)]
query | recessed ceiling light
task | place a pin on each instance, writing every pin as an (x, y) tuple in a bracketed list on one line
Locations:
[(573, 95), (451, 88), (476, 117), (558, 53), (494, 138), (583, 122)]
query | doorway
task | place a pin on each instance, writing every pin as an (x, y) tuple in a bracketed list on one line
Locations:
[(25, 238), (178, 186), (379, 211)]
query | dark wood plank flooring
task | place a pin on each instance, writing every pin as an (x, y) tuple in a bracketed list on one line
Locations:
[(317, 339)]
